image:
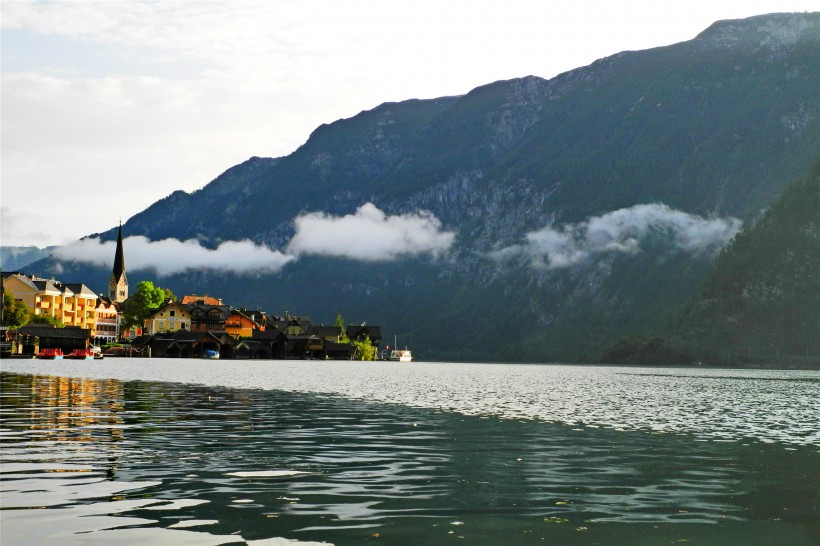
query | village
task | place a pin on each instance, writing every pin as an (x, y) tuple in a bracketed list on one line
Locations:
[(70, 318)]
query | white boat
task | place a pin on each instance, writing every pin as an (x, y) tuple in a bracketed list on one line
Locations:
[(400, 355)]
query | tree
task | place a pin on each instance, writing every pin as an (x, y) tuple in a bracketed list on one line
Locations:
[(138, 306), (46, 319), (340, 322), (15, 313), (364, 349)]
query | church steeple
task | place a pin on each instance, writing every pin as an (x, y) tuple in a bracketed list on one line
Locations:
[(118, 284)]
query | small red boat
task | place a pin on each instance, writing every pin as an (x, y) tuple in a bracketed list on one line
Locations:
[(81, 354), (51, 354)]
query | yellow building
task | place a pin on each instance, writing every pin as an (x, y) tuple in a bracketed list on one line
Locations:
[(170, 317), (74, 304)]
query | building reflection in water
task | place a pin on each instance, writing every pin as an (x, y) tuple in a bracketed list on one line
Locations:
[(83, 413)]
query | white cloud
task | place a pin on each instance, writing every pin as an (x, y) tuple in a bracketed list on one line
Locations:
[(622, 231), (370, 235), (171, 256), (21, 229)]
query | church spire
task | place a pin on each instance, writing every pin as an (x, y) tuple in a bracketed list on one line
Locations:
[(119, 257), (118, 284)]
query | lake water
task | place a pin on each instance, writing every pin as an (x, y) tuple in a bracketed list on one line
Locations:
[(133, 451)]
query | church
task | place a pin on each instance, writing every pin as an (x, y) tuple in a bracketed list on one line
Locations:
[(118, 283)]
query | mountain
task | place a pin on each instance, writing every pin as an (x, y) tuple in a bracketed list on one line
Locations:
[(14, 258), (762, 301), (654, 144)]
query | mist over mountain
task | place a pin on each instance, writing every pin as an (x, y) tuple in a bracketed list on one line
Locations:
[(13, 258), (528, 220)]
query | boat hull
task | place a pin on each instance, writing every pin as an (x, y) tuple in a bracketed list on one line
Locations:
[(400, 356), (50, 354)]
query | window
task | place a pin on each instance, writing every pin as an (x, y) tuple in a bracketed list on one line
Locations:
[(173, 313)]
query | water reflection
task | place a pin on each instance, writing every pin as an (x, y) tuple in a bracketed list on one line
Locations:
[(141, 462)]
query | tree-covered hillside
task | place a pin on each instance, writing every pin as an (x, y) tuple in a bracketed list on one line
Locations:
[(762, 301)]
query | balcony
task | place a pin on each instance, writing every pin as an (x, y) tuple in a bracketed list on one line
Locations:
[(44, 304)]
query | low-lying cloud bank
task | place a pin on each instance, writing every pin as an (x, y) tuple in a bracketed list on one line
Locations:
[(367, 235), (171, 256), (370, 235), (621, 230)]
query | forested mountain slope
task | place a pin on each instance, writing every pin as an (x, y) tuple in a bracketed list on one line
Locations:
[(762, 301)]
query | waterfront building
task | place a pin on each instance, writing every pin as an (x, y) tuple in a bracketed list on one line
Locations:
[(109, 317), (33, 338), (24, 290), (362, 332), (79, 306), (170, 317), (73, 304), (208, 318), (242, 323)]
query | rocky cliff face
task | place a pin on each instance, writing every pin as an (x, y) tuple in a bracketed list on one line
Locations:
[(714, 127)]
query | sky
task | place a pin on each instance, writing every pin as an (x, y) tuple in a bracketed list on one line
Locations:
[(107, 107)]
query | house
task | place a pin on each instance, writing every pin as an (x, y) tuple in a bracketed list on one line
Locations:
[(249, 348), (338, 351), (79, 306), (169, 317), (328, 333), (242, 323), (24, 290), (109, 316), (184, 344), (290, 325), (208, 317), (360, 333), (332, 346), (273, 343), (74, 304)]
